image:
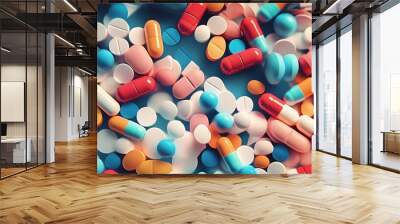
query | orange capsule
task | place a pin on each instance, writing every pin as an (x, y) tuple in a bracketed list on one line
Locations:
[(225, 146), (154, 42), (235, 139), (307, 107), (154, 167), (99, 118)]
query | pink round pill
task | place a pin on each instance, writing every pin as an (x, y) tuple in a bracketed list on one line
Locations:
[(232, 30), (138, 58), (197, 119)]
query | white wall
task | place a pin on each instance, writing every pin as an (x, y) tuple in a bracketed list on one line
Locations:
[(71, 96)]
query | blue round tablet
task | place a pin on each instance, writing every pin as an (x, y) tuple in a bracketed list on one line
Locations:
[(223, 120), (166, 147), (249, 169), (171, 36), (280, 153), (236, 46), (112, 161), (129, 110), (208, 100), (285, 24), (291, 67), (118, 10), (274, 68), (100, 166), (209, 158), (105, 59)]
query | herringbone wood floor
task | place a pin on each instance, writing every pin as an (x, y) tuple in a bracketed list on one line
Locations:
[(69, 191)]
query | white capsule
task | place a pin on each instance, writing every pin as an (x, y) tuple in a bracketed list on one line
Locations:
[(305, 124), (106, 102)]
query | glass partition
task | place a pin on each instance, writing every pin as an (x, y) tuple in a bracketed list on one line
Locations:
[(385, 89), (22, 90), (327, 96)]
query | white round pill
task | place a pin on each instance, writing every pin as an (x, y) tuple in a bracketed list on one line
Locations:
[(303, 21), (124, 145), (244, 104), (226, 102), (156, 99), (151, 139), (101, 32), (123, 73), (118, 28), (195, 98), (257, 128), (202, 134), (185, 109), (168, 110), (245, 154), (261, 171), (175, 129), (110, 85), (217, 25), (242, 120), (276, 168), (103, 75), (298, 40), (308, 35), (136, 36), (284, 47), (202, 34), (146, 116), (270, 40), (263, 147), (106, 140), (214, 84), (118, 46)]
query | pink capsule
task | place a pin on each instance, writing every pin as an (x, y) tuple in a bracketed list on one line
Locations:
[(283, 133)]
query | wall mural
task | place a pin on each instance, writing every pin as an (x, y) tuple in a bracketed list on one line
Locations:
[(204, 88)]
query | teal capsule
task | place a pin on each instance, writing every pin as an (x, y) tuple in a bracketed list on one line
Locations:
[(233, 162)]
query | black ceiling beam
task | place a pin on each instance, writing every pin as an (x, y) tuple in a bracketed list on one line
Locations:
[(48, 22), (79, 61)]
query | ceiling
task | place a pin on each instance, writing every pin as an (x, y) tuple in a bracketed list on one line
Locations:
[(75, 21)]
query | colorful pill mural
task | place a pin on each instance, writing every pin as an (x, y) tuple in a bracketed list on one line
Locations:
[(204, 88)]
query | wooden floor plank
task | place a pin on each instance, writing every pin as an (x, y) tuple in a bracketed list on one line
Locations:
[(70, 191)]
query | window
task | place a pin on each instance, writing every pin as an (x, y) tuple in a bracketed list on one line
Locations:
[(327, 96), (385, 89)]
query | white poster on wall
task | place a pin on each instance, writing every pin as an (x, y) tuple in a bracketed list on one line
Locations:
[(12, 101)]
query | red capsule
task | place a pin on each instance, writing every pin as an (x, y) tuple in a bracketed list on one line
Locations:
[(237, 62), (305, 62), (191, 18), (251, 29), (136, 88)]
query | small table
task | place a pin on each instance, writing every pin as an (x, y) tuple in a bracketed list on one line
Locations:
[(391, 141), (18, 151)]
